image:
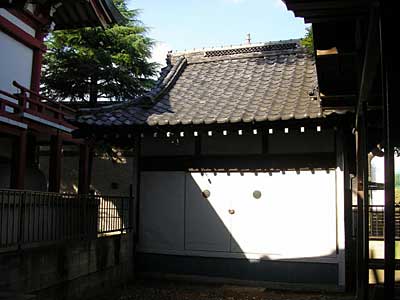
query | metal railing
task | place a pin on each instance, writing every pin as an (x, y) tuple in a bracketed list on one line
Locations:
[(28, 217), (376, 222)]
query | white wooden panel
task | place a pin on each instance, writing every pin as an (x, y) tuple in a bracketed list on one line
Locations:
[(294, 218), (207, 219), (162, 211), (16, 59), (254, 224)]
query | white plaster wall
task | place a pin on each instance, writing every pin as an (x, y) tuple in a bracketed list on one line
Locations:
[(15, 63), (17, 22), (162, 211), (295, 218)]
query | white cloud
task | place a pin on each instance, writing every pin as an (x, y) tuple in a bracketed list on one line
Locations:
[(159, 53)]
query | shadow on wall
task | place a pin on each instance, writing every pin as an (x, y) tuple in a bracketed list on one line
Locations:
[(281, 227), (108, 178)]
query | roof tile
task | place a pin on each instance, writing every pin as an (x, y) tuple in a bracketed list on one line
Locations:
[(245, 84)]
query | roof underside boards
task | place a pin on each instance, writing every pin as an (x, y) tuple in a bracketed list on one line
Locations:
[(70, 14), (341, 25), (246, 84), (82, 13)]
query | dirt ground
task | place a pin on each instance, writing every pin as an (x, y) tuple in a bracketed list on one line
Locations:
[(170, 290)]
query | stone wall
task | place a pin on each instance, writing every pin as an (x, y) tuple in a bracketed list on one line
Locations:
[(69, 270)]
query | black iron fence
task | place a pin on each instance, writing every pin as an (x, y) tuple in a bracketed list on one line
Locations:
[(376, 221), (28, 217)]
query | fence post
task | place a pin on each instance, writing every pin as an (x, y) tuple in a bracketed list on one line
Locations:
[(21, 216), (130, 208)]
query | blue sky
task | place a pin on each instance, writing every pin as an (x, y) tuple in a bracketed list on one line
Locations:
[(187, 24)]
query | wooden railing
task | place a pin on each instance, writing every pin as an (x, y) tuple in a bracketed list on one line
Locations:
[(29, 218), (30, 105)]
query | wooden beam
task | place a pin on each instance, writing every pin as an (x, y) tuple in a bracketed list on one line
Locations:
[(253, 162), (338, 102), (55, 163), (326, 5), (20, 35), (371, 61)]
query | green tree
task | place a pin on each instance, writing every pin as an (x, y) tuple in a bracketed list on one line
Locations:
[(308, 41), (91, 63)]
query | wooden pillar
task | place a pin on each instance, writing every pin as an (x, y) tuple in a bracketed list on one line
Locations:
[(37, 63), (18, 168), (347, 147), (362, 208), (136, 182), (342, 202), (55, 163), (134, 209), (84, 173), (387, 21)]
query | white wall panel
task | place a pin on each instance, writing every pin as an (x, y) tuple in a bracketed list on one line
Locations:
[(162, 211), (15, 63), (294, 218)]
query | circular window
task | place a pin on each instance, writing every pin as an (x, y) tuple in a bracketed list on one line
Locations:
[(206, 193), (257, 194)]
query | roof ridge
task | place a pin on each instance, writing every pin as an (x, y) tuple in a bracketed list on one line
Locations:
[(290, 42), (168, 76)]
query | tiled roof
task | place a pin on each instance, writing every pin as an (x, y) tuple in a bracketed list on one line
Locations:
[(268, 82)]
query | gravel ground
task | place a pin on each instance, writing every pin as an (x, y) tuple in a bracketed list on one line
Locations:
[(170, 290)]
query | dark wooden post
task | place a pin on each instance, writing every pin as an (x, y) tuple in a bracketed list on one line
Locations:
[(387, 48), (136, 183), (55, 163), (345, 145), (18, 168), (83, 186), (362, 207)]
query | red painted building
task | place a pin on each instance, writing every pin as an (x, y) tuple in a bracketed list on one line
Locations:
[(28, 120)]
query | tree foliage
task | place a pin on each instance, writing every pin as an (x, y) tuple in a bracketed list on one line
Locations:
[(91, 63), (308, 41)]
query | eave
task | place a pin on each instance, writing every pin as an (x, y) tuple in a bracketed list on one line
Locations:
[(73, 14)]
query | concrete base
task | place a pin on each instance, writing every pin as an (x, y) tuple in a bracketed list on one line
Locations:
[(313, 276), (68, 270)]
